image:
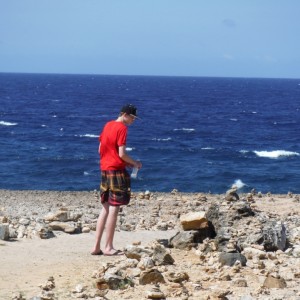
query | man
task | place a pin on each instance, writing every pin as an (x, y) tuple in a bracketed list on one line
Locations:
[(115, 186)]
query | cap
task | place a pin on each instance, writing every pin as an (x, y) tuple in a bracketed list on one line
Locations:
[(129, 109)]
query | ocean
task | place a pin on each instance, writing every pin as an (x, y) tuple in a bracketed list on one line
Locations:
[(196, 134)]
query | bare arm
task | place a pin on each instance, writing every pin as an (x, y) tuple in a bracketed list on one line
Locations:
[(124, 156)]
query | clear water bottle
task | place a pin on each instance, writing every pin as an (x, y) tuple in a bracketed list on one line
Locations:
[(134, 172)]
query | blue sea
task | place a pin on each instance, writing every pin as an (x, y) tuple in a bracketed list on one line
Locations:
[(196, 134)]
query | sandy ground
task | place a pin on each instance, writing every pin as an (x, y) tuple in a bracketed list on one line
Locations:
[(25, 264)]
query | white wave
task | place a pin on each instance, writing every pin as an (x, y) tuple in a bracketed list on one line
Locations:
[(207, 148), (239, 183), (234, 120), (184, 129), (275, 153), (88, 135), (7, 123), (43, 125), (162, 140), (129, 149), (86, 173)]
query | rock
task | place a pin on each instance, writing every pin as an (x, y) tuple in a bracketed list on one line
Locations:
[(155, 293), (86, 229), (24, 221), (62, 226), (161, 256), (189, 239), (177, 277), (229, 259), (231, 194), (272, 282), (115, 282), (3, 219), (193, 221), (224, 218), (45, 233), (63, 216), (146, 263), (250, 253), (240, 283), (274, 236), (151, 276), (136, 252), (4, 232)]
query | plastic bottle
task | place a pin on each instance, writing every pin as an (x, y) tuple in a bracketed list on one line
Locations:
[(134, 172)]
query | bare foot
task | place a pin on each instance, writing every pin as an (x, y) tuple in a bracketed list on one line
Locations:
[(114, 252), (97, 252)]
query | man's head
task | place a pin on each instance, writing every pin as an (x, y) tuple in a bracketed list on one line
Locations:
[(129, 109)]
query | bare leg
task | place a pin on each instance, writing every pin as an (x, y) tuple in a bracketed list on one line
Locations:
[(100, 227), (110, 229)]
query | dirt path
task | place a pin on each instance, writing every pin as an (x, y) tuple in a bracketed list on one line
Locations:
[(25, 264)]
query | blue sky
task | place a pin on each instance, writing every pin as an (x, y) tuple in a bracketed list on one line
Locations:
[(235, 38)]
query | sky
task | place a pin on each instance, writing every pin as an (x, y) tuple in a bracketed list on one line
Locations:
[(219, 38)]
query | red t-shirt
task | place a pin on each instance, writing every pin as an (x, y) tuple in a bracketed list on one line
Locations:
[(113, 136)]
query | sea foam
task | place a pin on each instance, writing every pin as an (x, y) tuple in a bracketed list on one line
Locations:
[(239, 183), (275, 153), (7, 123)]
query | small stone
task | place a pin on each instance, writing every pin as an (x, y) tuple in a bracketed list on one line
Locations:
[(155, 293)]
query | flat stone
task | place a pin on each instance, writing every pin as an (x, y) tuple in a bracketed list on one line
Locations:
[(193, 221)]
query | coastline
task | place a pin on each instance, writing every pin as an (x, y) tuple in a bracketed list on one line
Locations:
[(28, 261)]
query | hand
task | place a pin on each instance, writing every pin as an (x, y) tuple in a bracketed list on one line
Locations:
[(138, 164)]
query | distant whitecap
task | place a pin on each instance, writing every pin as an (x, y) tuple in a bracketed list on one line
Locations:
[(162, 139), (275, 153), (86, 173), (184, 129), (129, 149), (88, 135), (207, 148), (234, 120), (7, 123)]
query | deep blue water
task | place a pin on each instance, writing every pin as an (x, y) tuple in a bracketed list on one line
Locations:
[(196, 134)]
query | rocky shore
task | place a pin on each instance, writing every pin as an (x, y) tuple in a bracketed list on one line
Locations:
[(177, 246)]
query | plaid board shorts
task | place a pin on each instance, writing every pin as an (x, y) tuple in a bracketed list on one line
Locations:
[(115, 187)]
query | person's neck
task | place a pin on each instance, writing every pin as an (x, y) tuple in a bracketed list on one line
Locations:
[(121, 119)]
